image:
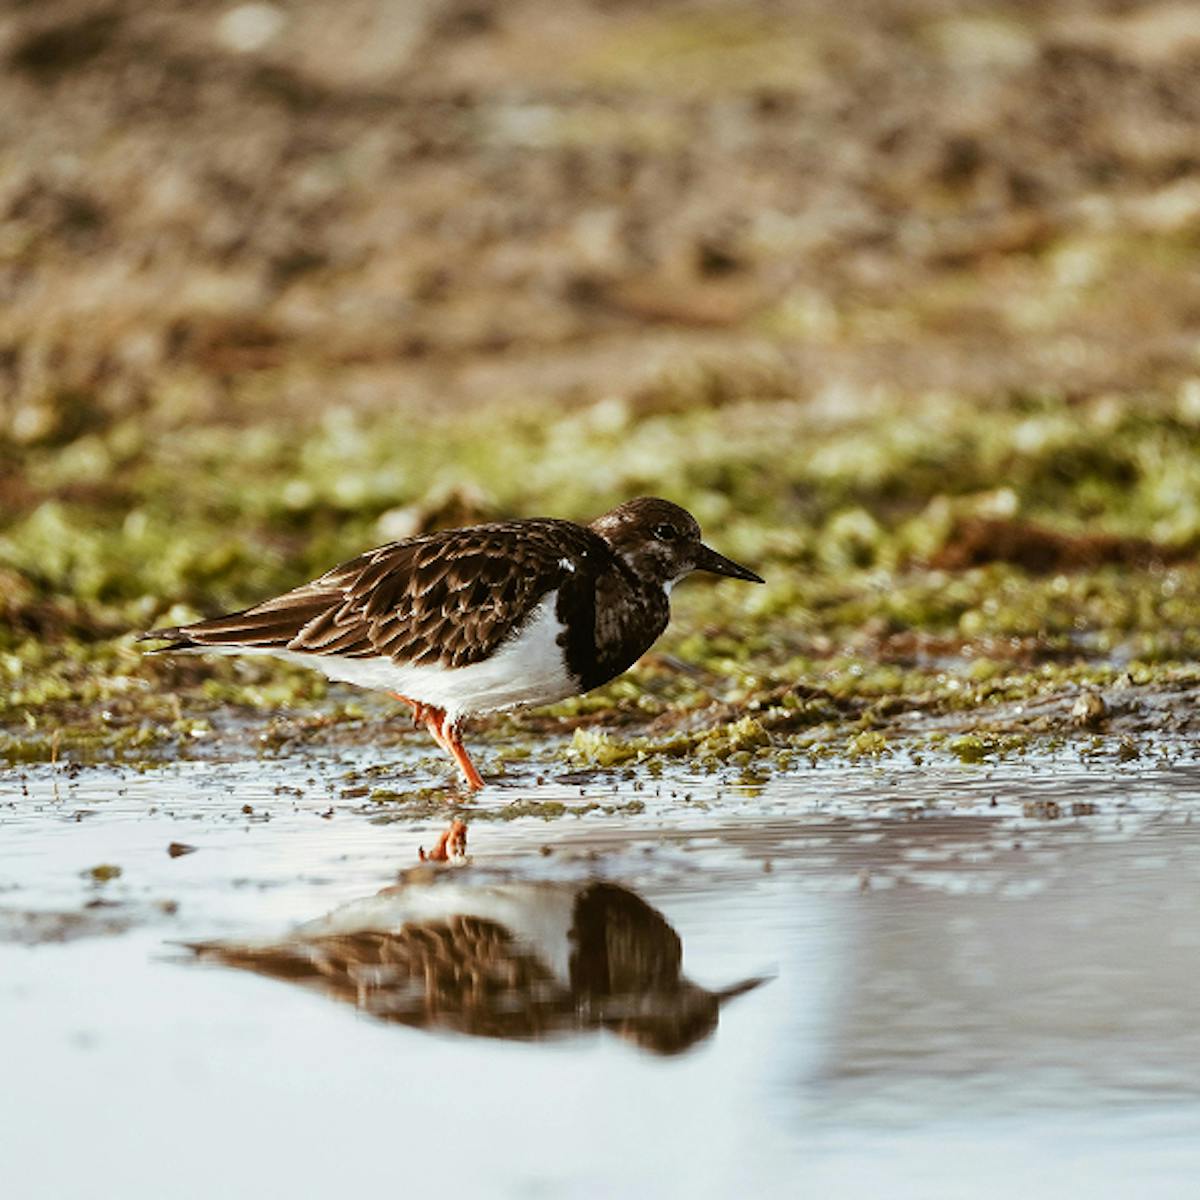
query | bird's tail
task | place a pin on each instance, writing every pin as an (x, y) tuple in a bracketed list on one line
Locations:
[(265, 627), (175, 638)]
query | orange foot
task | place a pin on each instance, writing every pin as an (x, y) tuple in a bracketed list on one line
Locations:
[(452, 844), (446, 734)]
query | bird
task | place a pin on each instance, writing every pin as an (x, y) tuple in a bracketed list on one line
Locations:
[(489, 955), (483, 618)]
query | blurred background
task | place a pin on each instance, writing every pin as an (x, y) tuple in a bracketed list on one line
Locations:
[(902, 297)]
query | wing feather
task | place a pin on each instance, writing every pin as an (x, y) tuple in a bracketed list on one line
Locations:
[(449, 598)]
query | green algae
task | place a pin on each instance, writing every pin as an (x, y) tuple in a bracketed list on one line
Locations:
[(855, 633), (868, 744), (103, 873), (969, 748)]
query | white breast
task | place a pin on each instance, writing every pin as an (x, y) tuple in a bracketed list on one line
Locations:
[(527, 669)]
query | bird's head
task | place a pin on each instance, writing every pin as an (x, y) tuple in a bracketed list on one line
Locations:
[(661, 542)]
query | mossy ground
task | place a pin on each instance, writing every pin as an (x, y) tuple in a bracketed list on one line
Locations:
[(858, 637)]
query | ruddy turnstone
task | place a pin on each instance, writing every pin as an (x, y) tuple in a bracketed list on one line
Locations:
[(484, 618), (500, 958)]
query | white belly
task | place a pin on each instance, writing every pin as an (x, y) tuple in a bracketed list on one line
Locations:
[(527, 669), (539, 915)]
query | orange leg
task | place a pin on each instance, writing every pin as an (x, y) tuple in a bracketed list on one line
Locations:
[(445, 733), (454, 744), (419, 710), (452, 844)]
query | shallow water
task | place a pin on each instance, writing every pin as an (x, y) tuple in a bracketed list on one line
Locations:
[(958, 996)]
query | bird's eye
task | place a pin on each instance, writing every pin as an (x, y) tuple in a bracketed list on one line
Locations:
[(666, 533)]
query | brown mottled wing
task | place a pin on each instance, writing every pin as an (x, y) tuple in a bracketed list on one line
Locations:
[(450, 597), (465, 973)]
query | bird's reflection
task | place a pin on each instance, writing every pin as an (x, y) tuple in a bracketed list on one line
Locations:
[(456, 950)]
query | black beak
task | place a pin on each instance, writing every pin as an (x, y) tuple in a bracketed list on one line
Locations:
[(709, 560)]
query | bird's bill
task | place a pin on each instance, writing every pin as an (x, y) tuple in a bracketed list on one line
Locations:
[(709, 560)]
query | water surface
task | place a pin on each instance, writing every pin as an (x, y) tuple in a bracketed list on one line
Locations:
[(854, 981)]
